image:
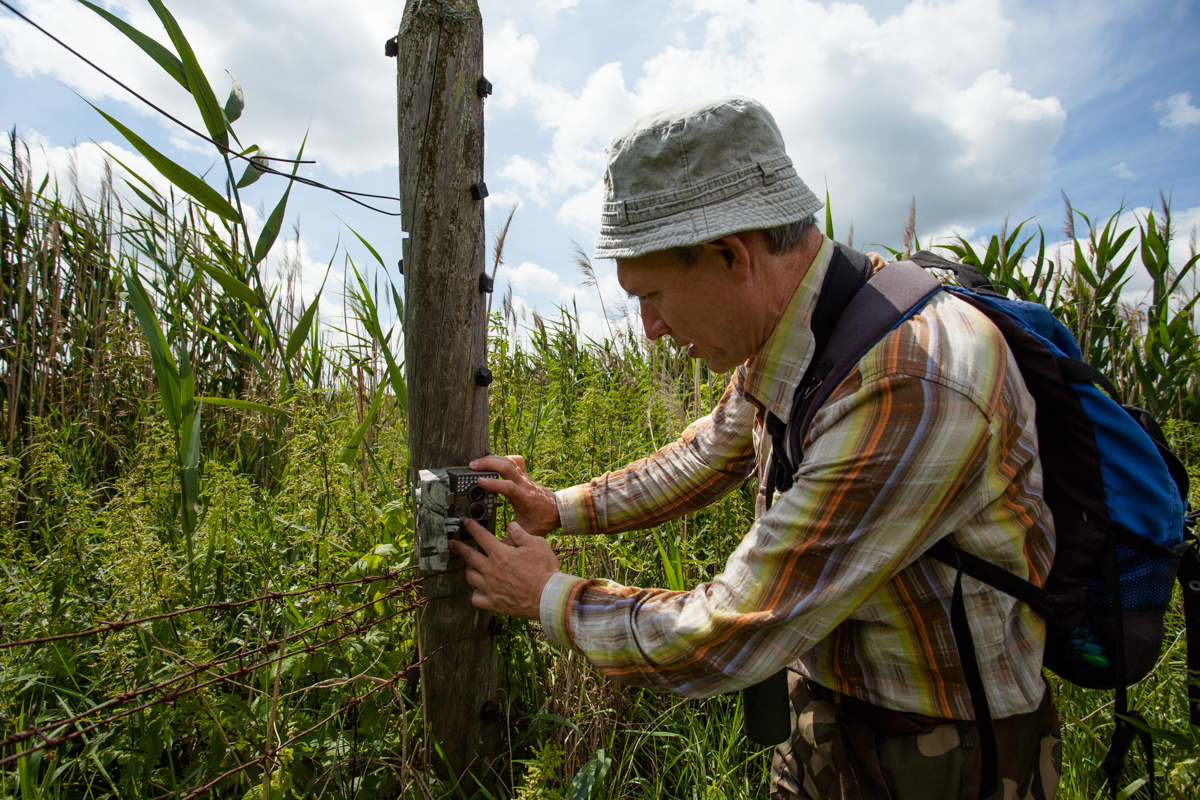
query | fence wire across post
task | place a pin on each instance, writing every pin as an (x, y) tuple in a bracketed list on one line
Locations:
[(76, 726)]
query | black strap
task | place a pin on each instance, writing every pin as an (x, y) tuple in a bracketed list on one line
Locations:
[(1189, 581), (891, 296), (1028, 593), (1075, 370), (989, 778), (967, 277), (1130, 725), (1126, 729), (848, 272)]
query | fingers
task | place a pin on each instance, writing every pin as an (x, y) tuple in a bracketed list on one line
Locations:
[(483, 538), (517, 535), (506, 488), (508, 466), (474, 559), (479, 599)]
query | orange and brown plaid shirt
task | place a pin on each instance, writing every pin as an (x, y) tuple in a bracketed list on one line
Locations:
[(932, 435)]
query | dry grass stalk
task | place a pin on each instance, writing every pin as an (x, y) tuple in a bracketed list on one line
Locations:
[(910, 229)]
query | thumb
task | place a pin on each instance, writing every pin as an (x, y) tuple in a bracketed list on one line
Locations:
[(518, 536)]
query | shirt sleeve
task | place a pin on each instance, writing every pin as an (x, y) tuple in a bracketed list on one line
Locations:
[(713, 456), (881, 481)]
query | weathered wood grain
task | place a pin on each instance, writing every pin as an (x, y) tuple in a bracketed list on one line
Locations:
[(441, 156)]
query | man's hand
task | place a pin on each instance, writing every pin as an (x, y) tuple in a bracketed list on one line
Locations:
[(534, 504), (508, 575)]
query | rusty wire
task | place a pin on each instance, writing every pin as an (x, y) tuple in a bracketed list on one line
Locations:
[(119, 625), (50, 741), (351, 703)]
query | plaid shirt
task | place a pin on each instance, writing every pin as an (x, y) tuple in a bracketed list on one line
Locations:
[(931, 435)]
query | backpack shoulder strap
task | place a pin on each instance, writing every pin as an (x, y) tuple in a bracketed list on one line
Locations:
[(890, 297), (1189, 581), (849, 271), (967, 277)]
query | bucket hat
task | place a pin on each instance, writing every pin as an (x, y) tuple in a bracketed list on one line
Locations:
[(696, 172)]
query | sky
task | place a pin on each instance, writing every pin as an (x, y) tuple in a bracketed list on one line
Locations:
[(976, 110)]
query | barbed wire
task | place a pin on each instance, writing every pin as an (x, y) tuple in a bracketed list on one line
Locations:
[(271, 754), (49, 740), (348, 194), (116, 627), (77, 726)]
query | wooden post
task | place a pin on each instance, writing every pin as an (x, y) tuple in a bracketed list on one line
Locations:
[(445, 344)]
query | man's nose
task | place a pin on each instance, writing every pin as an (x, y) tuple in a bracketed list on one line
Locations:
[(652, 323)]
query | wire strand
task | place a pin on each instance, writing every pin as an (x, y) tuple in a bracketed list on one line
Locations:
[(225, 150)]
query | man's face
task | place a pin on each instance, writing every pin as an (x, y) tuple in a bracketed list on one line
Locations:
[(700, 307)]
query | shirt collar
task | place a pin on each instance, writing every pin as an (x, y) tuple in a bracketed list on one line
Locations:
[(772, 374)]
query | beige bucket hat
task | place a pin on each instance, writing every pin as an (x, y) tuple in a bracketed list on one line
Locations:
[(696, 172)]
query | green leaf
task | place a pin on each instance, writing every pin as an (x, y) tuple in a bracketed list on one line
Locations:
[(589, 781), (156, 206), (1132, 788), (369, 315), (236, 101), (231, 285), (165, 370), (253, 356), (164, 57), (244, 405), (198, 85), (367, 245), (186, 181), (189, 448), (161, 202), (399, 304), (828, 215), (252, 173), (300, 332), (356, 438), (266, 239)]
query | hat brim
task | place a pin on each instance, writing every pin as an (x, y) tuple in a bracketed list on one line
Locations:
[(764, 206)]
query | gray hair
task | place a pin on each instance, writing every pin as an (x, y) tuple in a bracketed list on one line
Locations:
[(780, 239)]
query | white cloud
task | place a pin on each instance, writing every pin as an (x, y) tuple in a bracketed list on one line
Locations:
[(1123, 172), (302, 68), (501, 202), (597, 305), (508, 60), (882, 109), (529, 277), (583, 209), (82, 166), (528, 175), (1178, 112)]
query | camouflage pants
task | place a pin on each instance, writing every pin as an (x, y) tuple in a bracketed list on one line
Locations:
[(843, 748)]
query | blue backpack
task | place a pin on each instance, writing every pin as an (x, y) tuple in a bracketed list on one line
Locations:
[(1116, 491)]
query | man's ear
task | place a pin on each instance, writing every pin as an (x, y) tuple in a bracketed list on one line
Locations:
[(734, 250)]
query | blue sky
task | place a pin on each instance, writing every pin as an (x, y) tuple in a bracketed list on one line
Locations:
[(981, 109)]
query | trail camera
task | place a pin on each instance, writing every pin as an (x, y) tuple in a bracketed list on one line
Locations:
[(444, 498)]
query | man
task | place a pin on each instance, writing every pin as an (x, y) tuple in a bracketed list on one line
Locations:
[(931, 436)]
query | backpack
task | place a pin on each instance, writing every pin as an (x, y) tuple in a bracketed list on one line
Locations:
[(1117, 493)]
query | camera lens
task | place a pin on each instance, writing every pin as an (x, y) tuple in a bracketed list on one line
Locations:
[(476, 493), (476, 511)]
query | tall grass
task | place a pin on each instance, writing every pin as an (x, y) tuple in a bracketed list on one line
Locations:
[(92, 523)]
